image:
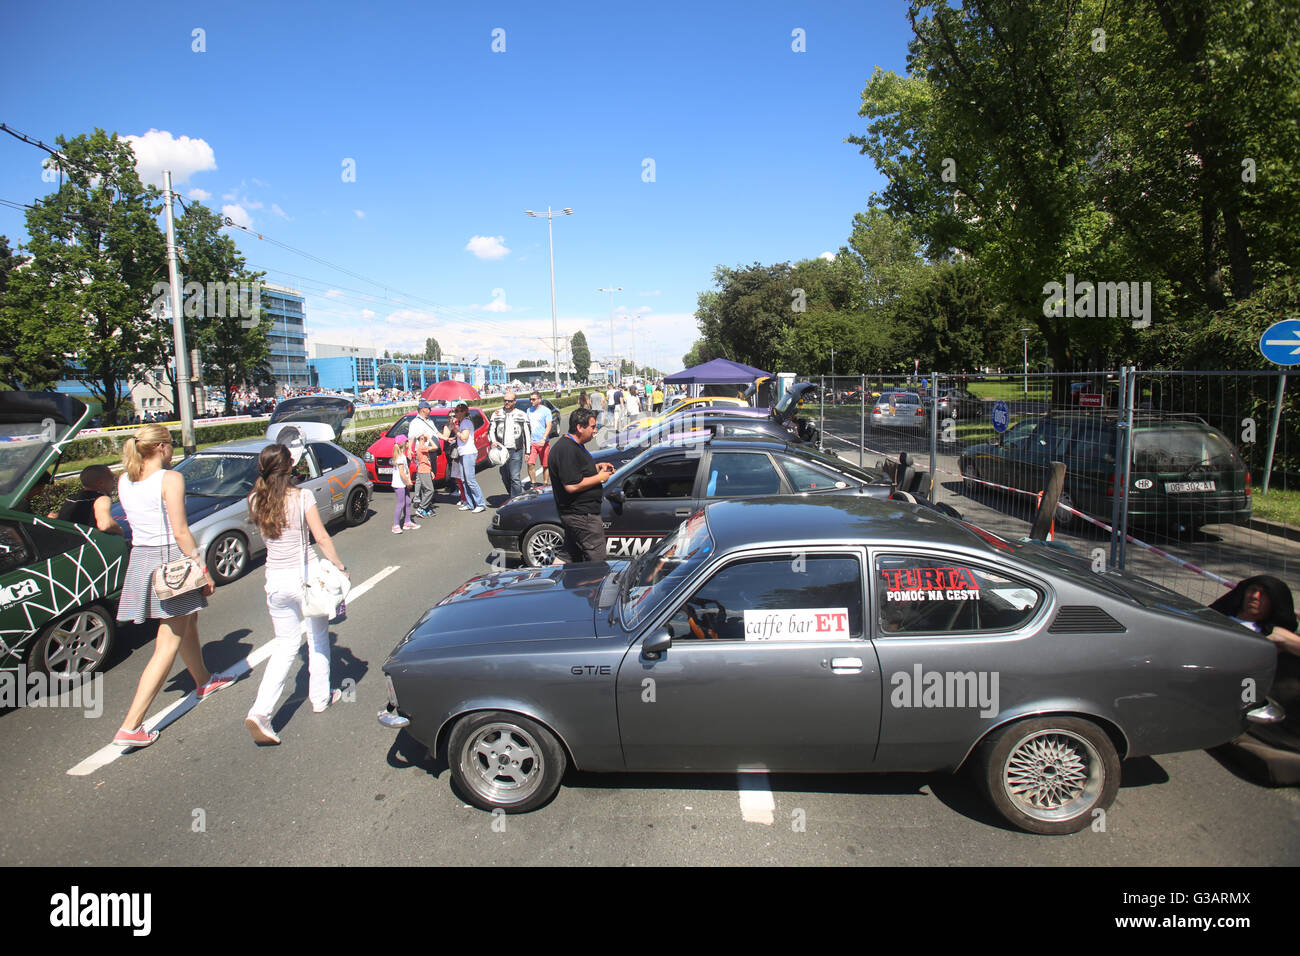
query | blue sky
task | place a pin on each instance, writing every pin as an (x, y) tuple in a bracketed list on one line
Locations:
[(453, 141)]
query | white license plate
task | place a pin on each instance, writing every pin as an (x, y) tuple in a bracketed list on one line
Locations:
[(1180, 487), (384, 471)]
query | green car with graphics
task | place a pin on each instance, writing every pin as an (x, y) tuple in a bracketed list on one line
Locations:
[(59, 581)]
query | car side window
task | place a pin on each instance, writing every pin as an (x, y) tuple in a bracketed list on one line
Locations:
[(476, 419), (13, 549), (1044, 438), (402, 427), (669, 476), (787, 598), (741, 474), (306, 469), (805, 477), (328, 456), (920, 595)]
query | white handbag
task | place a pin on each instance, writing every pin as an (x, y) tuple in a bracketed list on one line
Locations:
[(324, 587)]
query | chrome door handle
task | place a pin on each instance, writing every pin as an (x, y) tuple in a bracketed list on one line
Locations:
[(682, 512), (846, 665)]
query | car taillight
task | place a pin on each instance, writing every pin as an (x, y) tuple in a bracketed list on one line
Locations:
[(1248, 489), (1110, 487), (920, 411)]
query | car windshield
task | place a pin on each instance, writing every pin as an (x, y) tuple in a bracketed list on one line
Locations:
[(651, 577), (1178, 449), (870, 476), (22, 445), (219, 476)]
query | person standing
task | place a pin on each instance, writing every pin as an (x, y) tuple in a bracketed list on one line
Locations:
[(424, 446), (402, 484), (510, 430), (281, 512), (153, 498), (539, 450), (619, 414), (598, 405), (578, 489), (462, 432), (658, 398)]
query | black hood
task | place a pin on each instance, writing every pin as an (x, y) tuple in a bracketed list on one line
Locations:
[(1282, 606)]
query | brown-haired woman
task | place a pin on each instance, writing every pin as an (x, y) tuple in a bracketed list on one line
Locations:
[(158, 534), (279, 509)]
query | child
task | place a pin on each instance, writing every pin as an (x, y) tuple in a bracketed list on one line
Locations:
[(402, 484)]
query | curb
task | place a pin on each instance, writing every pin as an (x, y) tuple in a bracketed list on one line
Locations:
[(1290, 532)]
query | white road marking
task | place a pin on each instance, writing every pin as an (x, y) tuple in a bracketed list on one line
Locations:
[(756, 803), (168, 715)]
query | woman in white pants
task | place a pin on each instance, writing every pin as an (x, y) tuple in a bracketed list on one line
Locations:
[(278, 509)]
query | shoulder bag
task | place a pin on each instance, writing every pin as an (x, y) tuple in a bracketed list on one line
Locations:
[(181, 576), (324, 587)]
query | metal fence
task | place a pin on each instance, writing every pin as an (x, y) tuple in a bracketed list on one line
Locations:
[(1165, 470)]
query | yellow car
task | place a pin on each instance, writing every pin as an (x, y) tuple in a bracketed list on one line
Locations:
[(683, 404)]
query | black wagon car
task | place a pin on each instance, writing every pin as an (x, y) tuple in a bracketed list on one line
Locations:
[(1183, 470), (825, 634), (650, 495)]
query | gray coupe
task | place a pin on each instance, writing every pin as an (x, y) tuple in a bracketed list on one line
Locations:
[(825, 635)]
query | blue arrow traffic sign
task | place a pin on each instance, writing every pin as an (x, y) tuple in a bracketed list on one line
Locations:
[(1002, 416), (1280, 343)]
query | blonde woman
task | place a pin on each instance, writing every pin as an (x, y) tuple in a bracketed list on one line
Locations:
[(279, 511), (153, 498)]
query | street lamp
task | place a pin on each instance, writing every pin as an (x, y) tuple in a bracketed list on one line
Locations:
[(555, 329), (1026, 334), (611, 319)]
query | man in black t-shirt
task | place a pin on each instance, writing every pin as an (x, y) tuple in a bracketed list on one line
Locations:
[(91, 505), (577, 482)]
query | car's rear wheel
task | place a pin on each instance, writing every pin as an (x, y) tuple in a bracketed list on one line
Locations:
[(541, 544), (358, 508), (76, 643), (228, 557), (1049, 775), (504, 761)]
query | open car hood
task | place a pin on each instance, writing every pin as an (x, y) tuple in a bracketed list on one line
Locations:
[(331, 410), (34, 427)]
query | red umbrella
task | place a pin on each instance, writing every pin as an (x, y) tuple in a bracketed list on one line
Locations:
[(450, 391)]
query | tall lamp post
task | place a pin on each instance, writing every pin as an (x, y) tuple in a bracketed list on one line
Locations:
[(555, 329), (1026, 332), (611, 323)]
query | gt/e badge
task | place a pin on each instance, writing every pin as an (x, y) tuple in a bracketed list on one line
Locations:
[(578, 670)]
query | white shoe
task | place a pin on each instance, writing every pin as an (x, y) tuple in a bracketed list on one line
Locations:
[(260, 728), (462, 507), (478, 509)]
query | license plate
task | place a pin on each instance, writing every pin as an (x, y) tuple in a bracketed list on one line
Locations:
[(384, 471), (1181, 487)]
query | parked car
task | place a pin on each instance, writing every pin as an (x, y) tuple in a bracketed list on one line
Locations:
[(59, 581), (827, 634), (682, 404), (956, 403), (647, 497), (898, 410), (219, 479), (781, 422), (1183, 471), (379, 456)]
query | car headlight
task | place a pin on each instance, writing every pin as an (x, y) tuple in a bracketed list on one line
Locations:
[(367, 457)]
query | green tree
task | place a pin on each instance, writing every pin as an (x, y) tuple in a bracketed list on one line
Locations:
[(14, 373), (96, 253), (233, 347), (432, 350), (497, 362), (581, 355)]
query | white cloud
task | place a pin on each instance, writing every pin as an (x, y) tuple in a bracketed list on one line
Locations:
[(275, 208), (157, 150), (238, 214), (202, 195), (828, 256), (251, 203), (488, 247), (334, 293), (230, 196), (360, 213), (367, 314), (258, 182), (655, 292)]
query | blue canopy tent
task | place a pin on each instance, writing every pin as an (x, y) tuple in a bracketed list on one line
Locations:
[(717, 372)]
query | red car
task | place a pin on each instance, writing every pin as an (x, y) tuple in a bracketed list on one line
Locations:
[(378, 456)]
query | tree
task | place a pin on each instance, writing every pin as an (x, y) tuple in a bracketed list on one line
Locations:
[(96, 253), (234, 349), (581, 355), (14, 373), (525, 363), (497, 362), (432, 351)]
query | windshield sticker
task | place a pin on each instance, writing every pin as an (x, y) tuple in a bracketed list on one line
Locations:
[(798, 624), (930, 584)]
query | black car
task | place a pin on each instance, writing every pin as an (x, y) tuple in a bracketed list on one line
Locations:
[(653, 493), (1183, 471), (721, 421), (956, 403)]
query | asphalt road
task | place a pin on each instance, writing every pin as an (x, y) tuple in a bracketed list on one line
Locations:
[(343, 790)]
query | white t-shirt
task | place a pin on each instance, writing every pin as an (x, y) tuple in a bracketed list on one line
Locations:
[(399, 461), (142, 502)]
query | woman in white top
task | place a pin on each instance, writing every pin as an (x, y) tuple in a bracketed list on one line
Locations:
[(157, 538), (461, 430), (279, 509)]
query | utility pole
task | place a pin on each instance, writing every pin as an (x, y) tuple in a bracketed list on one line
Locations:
[(611, 315), (555, 333), (178, 322)]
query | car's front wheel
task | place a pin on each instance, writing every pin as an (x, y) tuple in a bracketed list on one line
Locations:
[(358, 508), (228, 557), (501, 760), (76, 643), (1049, 775), (541, 543)]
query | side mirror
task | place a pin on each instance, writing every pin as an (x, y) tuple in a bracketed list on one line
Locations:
[(654, 645), (995, 440), (615, 495)]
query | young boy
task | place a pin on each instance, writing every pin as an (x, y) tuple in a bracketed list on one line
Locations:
[(90, 506)]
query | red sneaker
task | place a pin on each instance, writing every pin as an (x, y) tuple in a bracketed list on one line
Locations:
[(212, 686), (135, 738)]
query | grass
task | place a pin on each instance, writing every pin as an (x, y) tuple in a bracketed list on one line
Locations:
[(1013, 390), (1278, 505)]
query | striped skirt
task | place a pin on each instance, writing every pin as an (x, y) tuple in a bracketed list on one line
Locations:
[(139, 603)]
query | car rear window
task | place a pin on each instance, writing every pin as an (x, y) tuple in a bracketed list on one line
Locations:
[(1177, 449)]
